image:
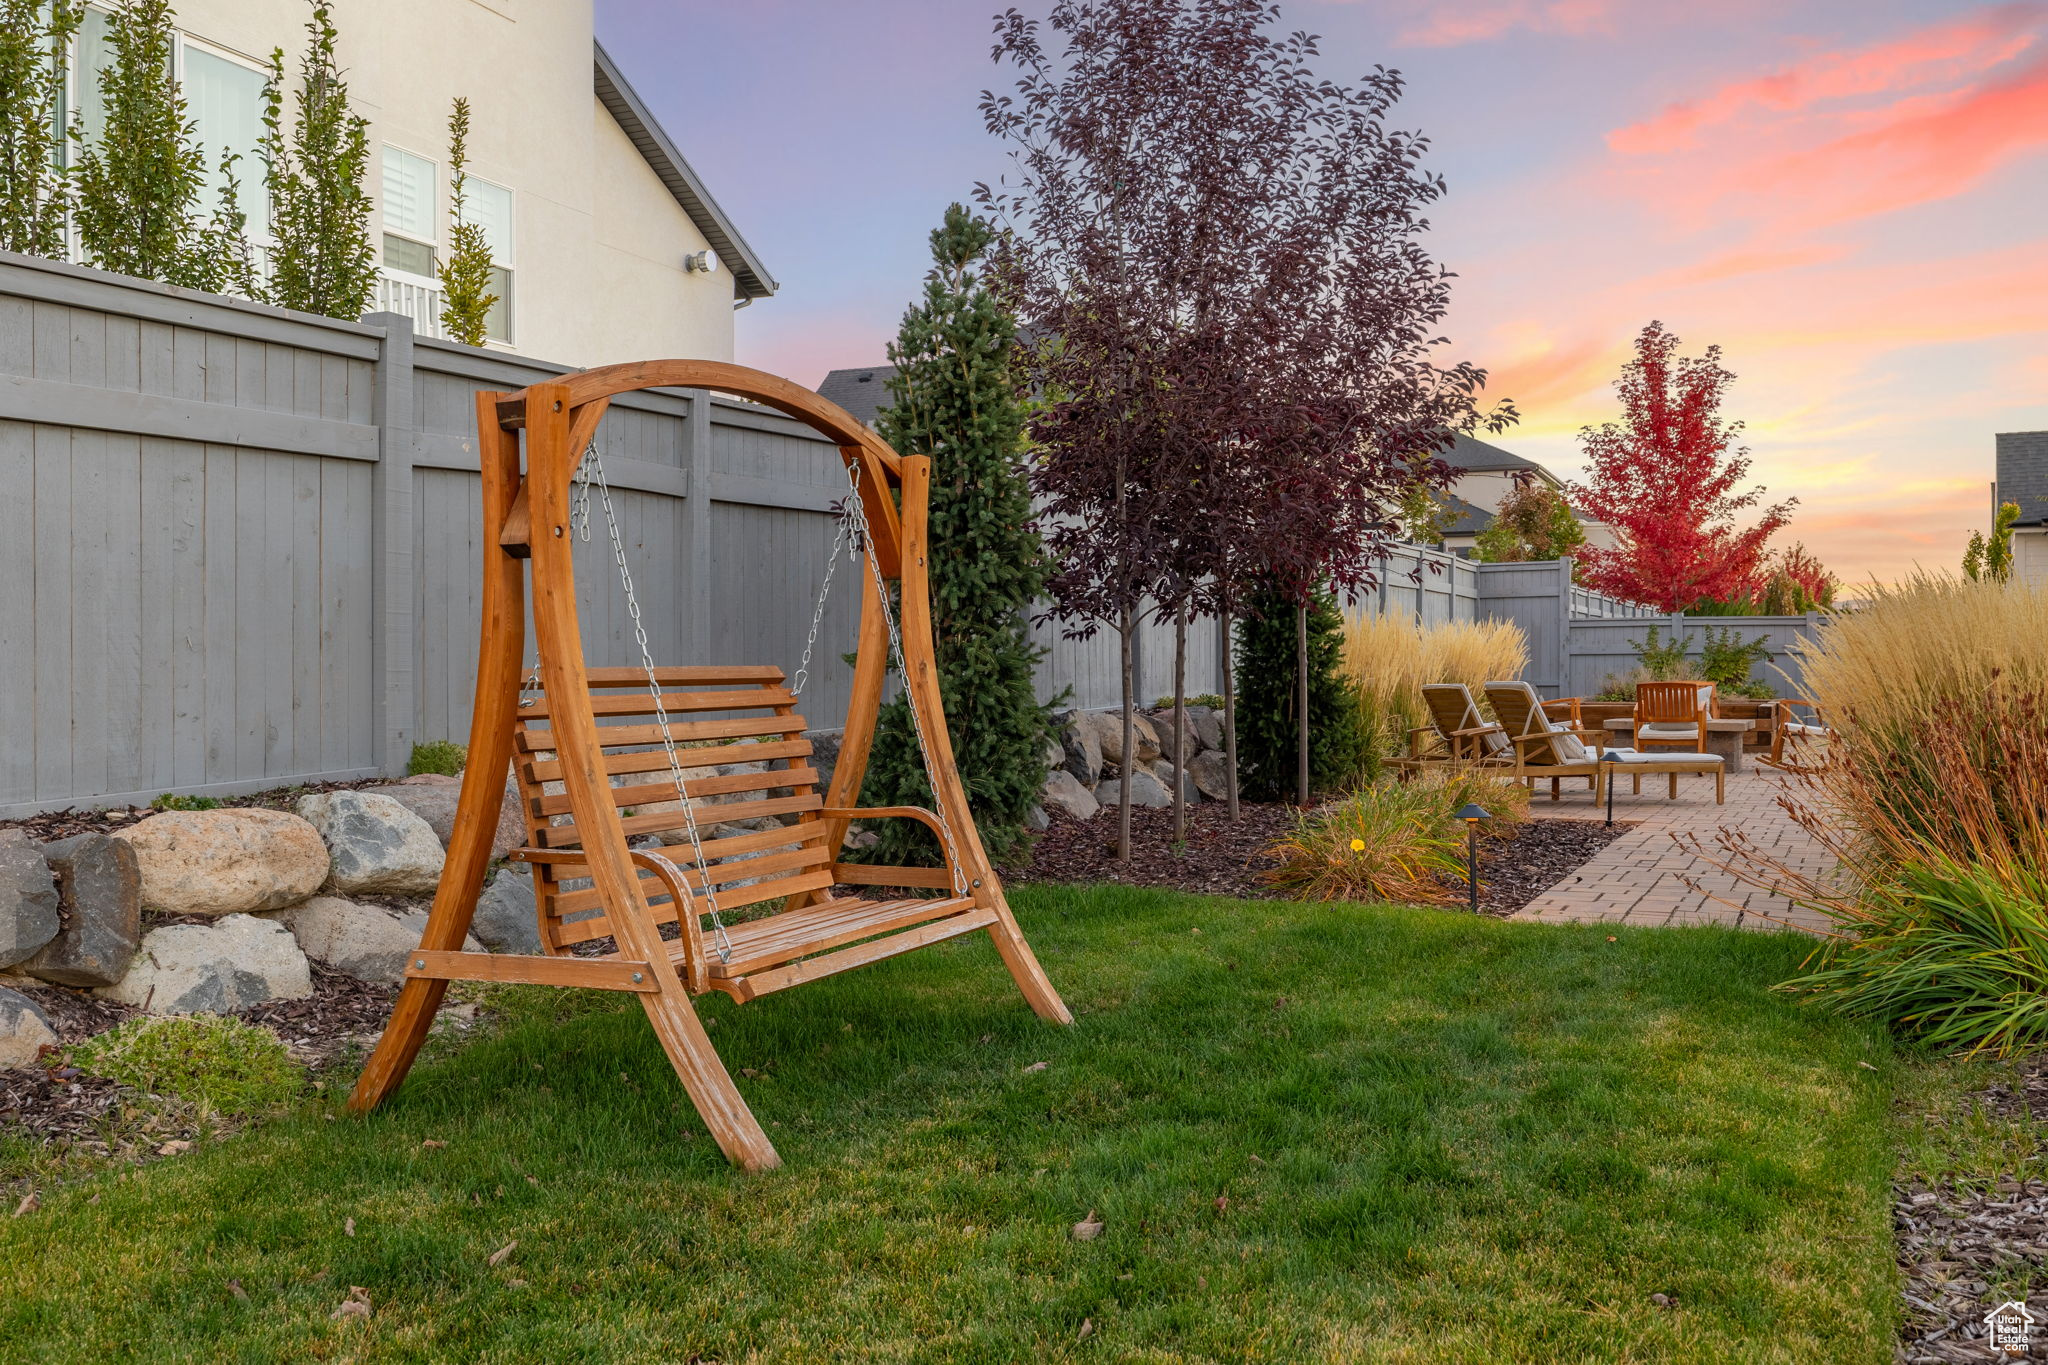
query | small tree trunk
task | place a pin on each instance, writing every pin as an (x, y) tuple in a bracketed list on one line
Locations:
[(1180, 729), (1126, 765), (1301, 705), (1230, 712)]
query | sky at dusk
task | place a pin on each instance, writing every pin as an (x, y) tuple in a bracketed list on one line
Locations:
[(1849, 196)]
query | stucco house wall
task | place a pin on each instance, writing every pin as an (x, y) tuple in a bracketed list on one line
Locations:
[(598, 240)]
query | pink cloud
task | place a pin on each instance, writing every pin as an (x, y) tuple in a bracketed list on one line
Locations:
[(1943, 53), (1446, 25)]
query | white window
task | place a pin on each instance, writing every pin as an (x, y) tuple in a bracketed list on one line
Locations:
[(490, 208), (410, 220), (224, 98)]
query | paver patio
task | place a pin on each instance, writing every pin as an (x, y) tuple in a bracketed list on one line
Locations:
[(1640, 877)]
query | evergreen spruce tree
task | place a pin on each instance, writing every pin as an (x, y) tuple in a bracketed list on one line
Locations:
[(322, 260), (466, 296), (956, 399), (35, 192), (1268, 695), (138, 183)]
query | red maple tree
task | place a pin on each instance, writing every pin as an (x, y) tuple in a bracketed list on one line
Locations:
[(1664, 480)]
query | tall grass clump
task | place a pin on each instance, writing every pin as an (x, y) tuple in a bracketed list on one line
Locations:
[(1389, 658), (1392, 841), (1933, 796)]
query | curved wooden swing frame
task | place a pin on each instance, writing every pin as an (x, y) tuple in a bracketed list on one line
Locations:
[(527, 517)]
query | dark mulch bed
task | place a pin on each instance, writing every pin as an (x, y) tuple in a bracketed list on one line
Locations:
[(1218, 859), (1222, 859), (340, 1011), (63, 824), (1964, 1251), (1542, 854)]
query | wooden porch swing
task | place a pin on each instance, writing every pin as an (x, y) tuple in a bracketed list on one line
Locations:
[(667, 761)]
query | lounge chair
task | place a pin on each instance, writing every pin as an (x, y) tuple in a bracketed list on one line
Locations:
[(1457, 731), (1547, 748)]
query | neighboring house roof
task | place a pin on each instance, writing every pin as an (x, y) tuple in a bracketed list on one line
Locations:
[(1463, 518), (2023, 474), (750, 277), (863, 391), (1477, 457)]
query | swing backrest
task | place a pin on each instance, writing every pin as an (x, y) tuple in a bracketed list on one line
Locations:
[(745, 759)]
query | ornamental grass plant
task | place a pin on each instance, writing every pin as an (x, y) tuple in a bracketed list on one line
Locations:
[(1933, 797), (1396, 841), (1389, 658)]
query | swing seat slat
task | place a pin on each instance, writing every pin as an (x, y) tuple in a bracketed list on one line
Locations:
[(762, 824)]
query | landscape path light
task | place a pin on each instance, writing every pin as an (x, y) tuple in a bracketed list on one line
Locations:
[(1472, 814)]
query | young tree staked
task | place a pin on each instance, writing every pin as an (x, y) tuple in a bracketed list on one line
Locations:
[(1216, 251)]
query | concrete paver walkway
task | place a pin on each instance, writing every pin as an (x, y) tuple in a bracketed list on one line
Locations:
[(1638, 879)]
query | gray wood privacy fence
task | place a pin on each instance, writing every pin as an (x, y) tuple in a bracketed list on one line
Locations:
[(241, 547)]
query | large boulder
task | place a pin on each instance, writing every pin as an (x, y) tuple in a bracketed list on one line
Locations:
[(366, 942), (99, 880), (220, 862), (235, 963), (1062, 793), (1208, 725), (1210, 772), (1169, 775), (434, 798), (1189, 727), (1081, 747), (24, 1030), (1145, 791), (28, 902), (1145, 739), (379, 848), (506, 920)]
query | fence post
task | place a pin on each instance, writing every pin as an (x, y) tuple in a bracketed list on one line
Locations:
[(1564, 625), (697, 521), (394, 700)]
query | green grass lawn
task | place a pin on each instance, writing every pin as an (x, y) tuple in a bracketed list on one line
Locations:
[(1313, 1133)]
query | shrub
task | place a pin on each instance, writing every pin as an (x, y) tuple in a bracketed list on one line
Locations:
[(1384, 842), (443, 756), (215, 1062), (1268, 691), (171, 801), (1726, 658), (1209, 699), (1662, 660), (1389, 658)]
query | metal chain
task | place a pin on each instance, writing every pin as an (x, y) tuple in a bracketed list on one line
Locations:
[(590, 470), (867, 542), (803, 668)]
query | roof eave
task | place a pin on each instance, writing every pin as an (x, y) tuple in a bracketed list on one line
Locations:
[(751, 279)]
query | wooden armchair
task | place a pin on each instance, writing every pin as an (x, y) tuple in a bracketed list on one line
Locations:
[(1796, 746), (1673, 715)]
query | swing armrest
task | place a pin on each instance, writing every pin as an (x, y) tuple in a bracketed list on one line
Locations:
[(667, 873), (874, 874)]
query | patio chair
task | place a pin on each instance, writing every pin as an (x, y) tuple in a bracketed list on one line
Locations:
[(1459, 732), (1549, 749), (1794, 744), (1673, 715), (1543, 747)]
